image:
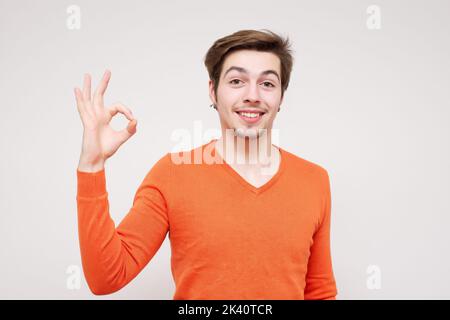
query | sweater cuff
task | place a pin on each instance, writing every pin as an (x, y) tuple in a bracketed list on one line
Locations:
[(91, 184)]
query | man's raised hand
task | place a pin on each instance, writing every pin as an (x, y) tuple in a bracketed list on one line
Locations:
[(100, 141)]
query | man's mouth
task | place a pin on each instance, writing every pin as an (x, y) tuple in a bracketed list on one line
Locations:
[(250, 116)]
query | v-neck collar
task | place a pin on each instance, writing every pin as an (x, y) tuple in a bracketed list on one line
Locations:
[(245, 183)]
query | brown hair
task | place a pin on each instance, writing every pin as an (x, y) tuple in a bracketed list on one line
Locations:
[(267, 41)]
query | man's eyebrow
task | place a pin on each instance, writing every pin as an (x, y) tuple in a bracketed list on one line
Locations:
[(240, 69)]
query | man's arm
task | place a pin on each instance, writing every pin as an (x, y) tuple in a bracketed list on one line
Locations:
[(320, 281), (112, 257)]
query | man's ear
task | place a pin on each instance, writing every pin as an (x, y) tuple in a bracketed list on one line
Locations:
[(212, 94)]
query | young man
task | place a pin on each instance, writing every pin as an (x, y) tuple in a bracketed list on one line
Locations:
[(254, 228)]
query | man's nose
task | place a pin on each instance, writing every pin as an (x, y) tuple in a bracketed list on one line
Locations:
[(252, 93)]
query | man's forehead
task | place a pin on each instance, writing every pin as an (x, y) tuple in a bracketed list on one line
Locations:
[(250, 61)]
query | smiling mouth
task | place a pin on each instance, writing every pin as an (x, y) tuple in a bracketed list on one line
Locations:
[(250, 117)]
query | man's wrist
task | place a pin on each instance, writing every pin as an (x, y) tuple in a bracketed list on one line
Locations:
[(91, 167)]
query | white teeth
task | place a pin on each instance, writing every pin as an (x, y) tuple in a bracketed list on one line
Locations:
[(249, 115)]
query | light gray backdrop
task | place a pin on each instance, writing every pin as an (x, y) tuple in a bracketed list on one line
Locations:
[(369, 105)]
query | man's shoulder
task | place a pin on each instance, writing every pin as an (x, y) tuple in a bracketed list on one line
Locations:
[(160, 169), (302, 165), (193, 155)]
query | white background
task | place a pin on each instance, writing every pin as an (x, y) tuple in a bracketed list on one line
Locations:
[(371, 106)]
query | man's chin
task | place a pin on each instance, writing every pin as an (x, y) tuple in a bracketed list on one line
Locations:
[(250, 133)]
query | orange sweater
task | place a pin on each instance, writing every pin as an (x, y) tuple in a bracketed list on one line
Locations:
[(229, 239)]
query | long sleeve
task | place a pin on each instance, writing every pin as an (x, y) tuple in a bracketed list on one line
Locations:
[(320, 281), (112, 257)]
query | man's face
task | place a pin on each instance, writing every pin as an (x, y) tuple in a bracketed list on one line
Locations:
[(249, 81)]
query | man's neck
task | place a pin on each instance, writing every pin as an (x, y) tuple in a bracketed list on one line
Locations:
[(255, 152)]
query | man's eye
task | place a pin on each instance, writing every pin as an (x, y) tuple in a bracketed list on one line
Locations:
[(270, 84), (234, 80)]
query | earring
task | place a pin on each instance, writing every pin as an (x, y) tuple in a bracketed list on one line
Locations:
[(213, 106)]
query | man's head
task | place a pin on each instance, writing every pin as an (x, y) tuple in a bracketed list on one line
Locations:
[(248, 70)]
